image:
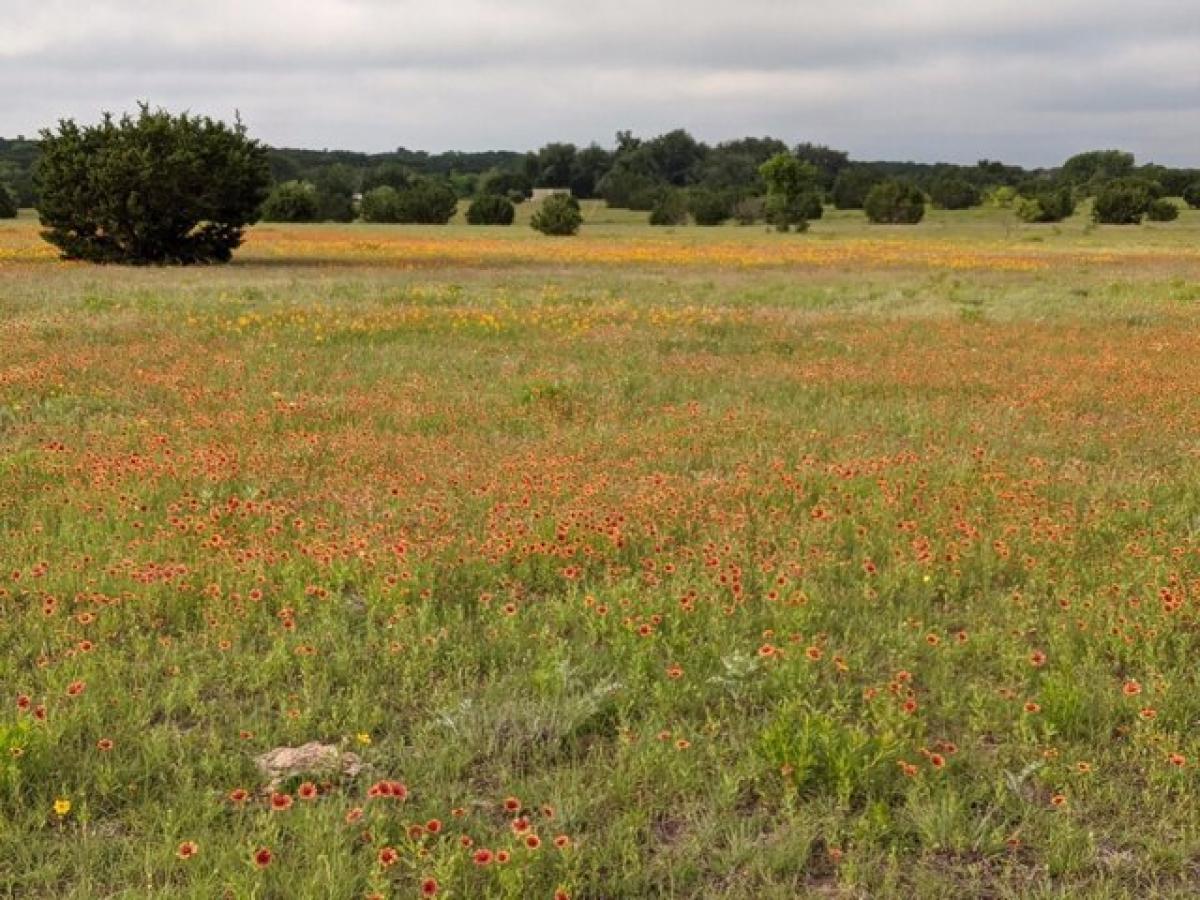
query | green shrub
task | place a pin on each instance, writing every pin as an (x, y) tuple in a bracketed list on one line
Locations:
[(381, 204), (292, 201), (1162, 210), (671, 209), (154, 188), (558, 215), (785, 214), (491, 209), (427, 203), (1048, 205), (1191, 195), (1123, 202), (8, 203), (709, 208), (894, 202), (954, 193)]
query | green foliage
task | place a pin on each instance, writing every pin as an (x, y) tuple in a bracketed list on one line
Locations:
[(851, 187), (427, 202), (750, 210), (894, 202), (154, 188), (1003, 197), (708, 207), (390, 174), (558, 215), (8, 203), (336, 186), (1046, 204), (951, 192), (827, 757), (380, 204), (1092, 170), (624, 189), (506, 184), (671, 209), (792, 198), (1123, 202), (1191, 195), (292, 201), (1162, 210), (491, 209)]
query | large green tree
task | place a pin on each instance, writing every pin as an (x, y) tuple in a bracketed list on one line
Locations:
[(150, 188)]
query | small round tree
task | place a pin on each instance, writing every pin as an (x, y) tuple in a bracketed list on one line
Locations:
[(154, 188), (791, 192), (558, 215), (1123, 202), (427, 203), (1191, 195), (380, 204), (952, 192), (491, 209), (894, 202), (8, 204), (1045, 205), (1162, 210), (671, 209), (709, 208), (292, 201)]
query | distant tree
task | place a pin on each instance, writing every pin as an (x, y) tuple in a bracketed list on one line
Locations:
[(709, 208), (292, 201), (381, 204), (556, 163), (671, 209), (8, 203), (954, 192), (490, 209), (558, 215), (391, 174), (506, 184), (1091, 170), (894, 202), (625, 189), (828, 162), (151, 188), (336, 186), (427, 202), (1123, 202), (750, 210), (674, 156), (1162, 210), (791, 191), (851, 187), (588, 168), (1191, 194), (1045, 203)]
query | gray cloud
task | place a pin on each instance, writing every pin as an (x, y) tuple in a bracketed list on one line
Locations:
[(928, 79)]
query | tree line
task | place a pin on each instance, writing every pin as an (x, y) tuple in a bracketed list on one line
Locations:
[(184, 188)]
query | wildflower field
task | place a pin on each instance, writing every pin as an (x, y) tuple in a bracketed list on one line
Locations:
[(647, 563)]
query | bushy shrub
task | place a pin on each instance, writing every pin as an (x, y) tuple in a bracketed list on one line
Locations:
[(622, 189), (427, 203), (380, 204), (709, 208), (1123, 202), (954, 193), (1162, 210), (792, 197), (154, 188), (292, 201), (786, 213), (1046, 205), (516, 186), (1002, 197), (491, 209), (1191, 195), (8, 203), (671, 209), (894, 202), (558, 215)]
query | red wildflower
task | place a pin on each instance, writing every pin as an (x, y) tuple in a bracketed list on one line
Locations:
[(482, 857), (281, 802), (187, 850), (307, 791), (388, 856), (263, 857), (429, 887)]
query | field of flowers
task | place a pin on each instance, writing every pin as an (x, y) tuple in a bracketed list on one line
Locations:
[(861, 563)]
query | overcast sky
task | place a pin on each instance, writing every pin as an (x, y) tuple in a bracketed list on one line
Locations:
[(1027, 81)]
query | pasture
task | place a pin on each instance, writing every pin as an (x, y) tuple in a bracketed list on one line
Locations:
[(652, 562)]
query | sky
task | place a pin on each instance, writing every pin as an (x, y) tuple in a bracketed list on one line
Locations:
[(1026, 81)]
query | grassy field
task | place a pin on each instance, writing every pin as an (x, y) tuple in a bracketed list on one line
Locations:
[(685, 563)]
